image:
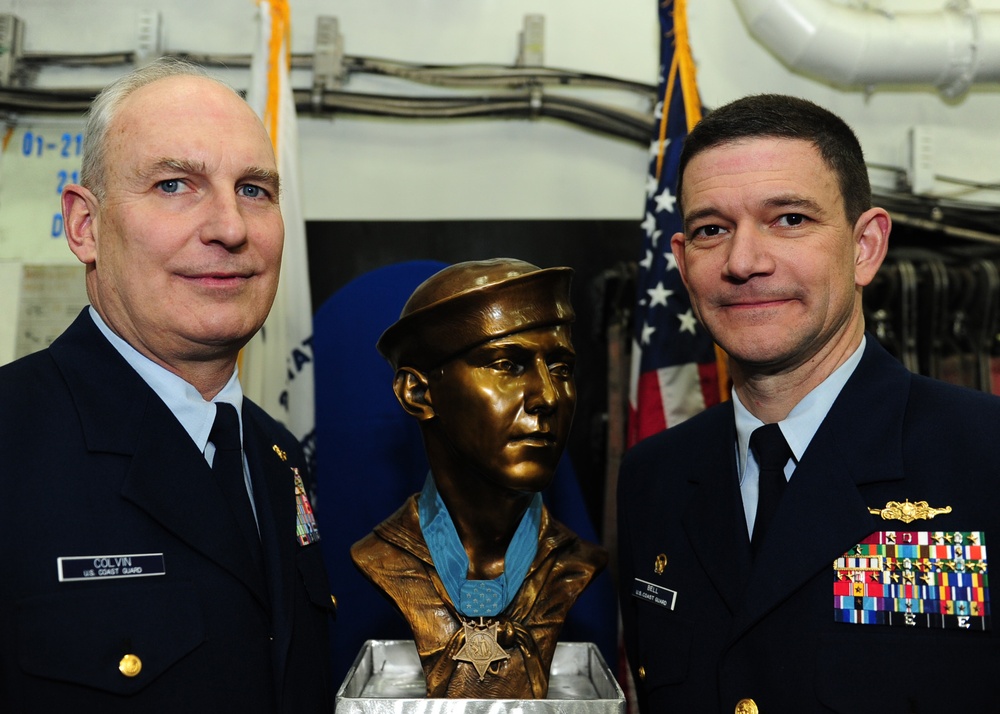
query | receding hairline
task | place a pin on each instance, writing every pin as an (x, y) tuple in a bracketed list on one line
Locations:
[(109, 103), (195, 80), (129, 114)]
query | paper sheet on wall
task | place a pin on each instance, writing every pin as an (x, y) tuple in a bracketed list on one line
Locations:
[(49, 299), (37, 159), (41, 283), (10, 291)]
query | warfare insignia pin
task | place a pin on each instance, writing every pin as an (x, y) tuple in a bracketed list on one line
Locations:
[(280, 452), (908, 512)]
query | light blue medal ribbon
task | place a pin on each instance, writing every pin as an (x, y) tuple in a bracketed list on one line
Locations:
[(476, 598)]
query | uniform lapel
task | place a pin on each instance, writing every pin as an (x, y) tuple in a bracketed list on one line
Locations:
[(184, 498), (713, 519), (167, 477), (823, 513), (274, 494)]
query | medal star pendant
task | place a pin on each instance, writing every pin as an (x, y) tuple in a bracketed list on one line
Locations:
[(481, 648)]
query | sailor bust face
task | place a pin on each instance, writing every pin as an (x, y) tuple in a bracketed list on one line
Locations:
[(484, 359), (504, 408)]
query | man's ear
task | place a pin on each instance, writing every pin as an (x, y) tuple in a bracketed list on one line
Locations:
[(871, 243), (79, 209), (677, 248), (412, 389)]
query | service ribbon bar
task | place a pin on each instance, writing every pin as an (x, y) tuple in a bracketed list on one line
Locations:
[(931, 579), (306, 530)]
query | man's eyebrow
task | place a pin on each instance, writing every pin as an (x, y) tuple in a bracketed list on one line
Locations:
[(267, 177), (793, 201), (181, 166), (255, 174), (790, 201), (699, 215)]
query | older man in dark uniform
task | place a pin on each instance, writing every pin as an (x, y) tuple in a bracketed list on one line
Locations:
[(156, 540)]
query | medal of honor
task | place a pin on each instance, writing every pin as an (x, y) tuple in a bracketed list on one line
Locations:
[(483, 599), (481, 648)]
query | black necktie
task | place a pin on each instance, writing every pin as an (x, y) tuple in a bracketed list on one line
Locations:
[(772, 453), (228, 469)]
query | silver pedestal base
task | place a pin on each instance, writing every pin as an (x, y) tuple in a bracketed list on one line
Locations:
[(387, 678)]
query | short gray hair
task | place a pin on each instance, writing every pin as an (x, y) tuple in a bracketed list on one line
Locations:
[(106, 105)]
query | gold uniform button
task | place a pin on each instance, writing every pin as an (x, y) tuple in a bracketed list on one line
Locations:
[(746, 706), (642, 672), (333, 599), (130, 665)]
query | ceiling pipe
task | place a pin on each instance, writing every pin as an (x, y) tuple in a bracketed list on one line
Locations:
[(859, 46)]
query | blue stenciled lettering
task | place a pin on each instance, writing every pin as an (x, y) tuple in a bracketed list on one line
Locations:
[(297, 359), (67, 143), (301, 359)]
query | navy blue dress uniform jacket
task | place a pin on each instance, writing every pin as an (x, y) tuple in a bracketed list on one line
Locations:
[(764, 629), (92, 463)]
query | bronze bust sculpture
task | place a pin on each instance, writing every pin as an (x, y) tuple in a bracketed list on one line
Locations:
[(475, 564)]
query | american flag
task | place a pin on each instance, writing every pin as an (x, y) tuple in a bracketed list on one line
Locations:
[(675, 372)]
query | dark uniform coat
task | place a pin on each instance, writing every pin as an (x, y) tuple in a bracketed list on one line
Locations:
[(92, 463), (722, 629)]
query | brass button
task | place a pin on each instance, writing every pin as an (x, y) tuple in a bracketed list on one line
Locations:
[(642, 672), (333, 599), (130, 665), (746, 706)]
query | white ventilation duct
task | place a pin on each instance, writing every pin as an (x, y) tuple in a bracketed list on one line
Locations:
[(846, 46)]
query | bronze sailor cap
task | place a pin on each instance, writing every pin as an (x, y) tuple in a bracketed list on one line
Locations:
[(470, 303)]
